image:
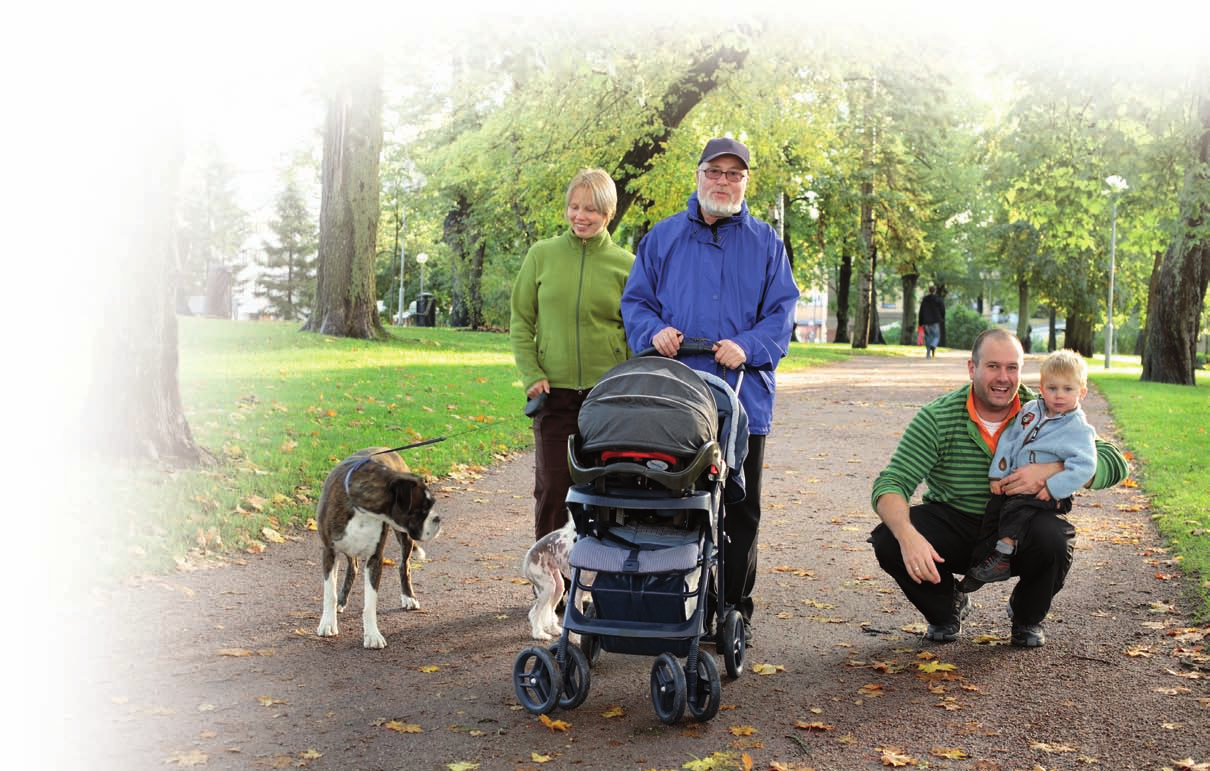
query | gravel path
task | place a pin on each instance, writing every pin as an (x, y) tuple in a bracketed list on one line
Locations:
[(220, 667)]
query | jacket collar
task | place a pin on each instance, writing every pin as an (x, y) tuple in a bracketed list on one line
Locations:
[(600, 239)]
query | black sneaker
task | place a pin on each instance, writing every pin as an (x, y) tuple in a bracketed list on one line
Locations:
[(996, 567), (1028, 636), (949, 631)]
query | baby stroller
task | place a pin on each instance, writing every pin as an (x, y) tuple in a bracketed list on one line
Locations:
[(660, 446)]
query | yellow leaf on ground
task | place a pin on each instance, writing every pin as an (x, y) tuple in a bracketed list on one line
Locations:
[(1044, 747), (310, 754), (554, 725), (535, 757), (816, 726), (403, 728), (269, 701), (768, 669), (430, 668), (271, 535), (613, 711), (742, 730), (949, 753), (893, 756), (311, 524), (191, 758), (234, 652), (936, 666), (464, 766)]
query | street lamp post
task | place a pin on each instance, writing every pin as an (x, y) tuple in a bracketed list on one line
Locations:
[(1116, 186), (399, 307), (421, 259)]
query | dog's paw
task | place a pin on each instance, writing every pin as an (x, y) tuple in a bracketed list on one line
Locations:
[(327, 629), (409, 603), (540, 634), (573, 638), (374, 640), (418, 552)]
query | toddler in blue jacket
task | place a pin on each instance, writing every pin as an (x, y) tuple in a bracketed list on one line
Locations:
[(1048, 429)]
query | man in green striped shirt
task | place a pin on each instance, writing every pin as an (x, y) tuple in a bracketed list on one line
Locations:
[(949, 445)]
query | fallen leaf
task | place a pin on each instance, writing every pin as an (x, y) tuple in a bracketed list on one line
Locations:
[(403, 728), (613, 710), (234, 652), (742, 730), (535, 757), (936, 666), (462, 766), (269, 701), (949, 753), (430, 668), (1044, 747), (191, 758), (554, 725), (816, 726), (768, 669), (893, 756)]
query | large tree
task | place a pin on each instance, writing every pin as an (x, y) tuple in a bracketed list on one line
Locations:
[(134, 406), (1175, 319), (346, 304)]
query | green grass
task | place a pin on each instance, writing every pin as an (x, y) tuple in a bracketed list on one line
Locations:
[(277, 408), (1165, 428)]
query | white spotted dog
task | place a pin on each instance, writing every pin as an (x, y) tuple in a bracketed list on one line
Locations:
[(546, 567), (364, 498)]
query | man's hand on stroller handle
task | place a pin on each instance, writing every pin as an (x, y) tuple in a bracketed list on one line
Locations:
[(729, 354), (667, 341)]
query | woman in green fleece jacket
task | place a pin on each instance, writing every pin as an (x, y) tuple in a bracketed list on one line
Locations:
[(566, 330)]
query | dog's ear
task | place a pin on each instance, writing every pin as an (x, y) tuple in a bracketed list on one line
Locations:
[(408, 494)]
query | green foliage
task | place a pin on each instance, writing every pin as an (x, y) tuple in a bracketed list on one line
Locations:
[(962, 326), (1162, 425), (288, 283), (213, 225)]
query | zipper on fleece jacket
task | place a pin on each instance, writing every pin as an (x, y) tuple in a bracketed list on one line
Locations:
[(579, 299)]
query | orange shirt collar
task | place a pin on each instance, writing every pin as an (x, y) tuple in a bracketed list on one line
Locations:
[(989, 439)]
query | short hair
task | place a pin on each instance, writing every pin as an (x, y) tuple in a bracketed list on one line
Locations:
[(1066, 363), (996, 332), (600, 187)]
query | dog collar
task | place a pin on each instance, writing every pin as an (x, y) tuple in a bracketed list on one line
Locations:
[(349, 475)]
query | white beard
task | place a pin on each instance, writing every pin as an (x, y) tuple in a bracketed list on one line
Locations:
[(710, 209)]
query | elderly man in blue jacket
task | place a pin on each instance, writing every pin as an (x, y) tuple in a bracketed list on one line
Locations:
[(715, 272)]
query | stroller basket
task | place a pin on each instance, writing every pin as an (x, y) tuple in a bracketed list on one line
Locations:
[(643, 575)]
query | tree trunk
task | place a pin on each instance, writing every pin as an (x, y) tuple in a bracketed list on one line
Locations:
[(346, 302), (134, 404), (1174, 321), (908, 322), (1024, 332), (1153, 290), (1078, 336), (844, 282), (1052, 337), (865, 293)]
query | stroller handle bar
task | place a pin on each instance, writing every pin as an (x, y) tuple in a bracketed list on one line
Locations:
[(692, 345)]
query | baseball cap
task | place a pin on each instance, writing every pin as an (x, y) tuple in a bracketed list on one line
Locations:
[(724, 146)]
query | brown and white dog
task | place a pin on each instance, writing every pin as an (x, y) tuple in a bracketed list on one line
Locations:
[(546, 568), (364, 498)]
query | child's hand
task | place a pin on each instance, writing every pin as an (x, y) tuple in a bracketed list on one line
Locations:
[(1043, 494), (995, 486)]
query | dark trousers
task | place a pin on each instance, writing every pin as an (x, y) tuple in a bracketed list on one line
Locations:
[(1043, 557), (741, 523), (557, 420), (1008, 516)]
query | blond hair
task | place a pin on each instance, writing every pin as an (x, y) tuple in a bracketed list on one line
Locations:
[(601, 189), (1066, 364)]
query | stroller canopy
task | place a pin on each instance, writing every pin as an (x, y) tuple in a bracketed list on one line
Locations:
[(651, 403)]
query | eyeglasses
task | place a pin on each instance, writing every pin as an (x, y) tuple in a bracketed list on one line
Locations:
[(733, 175)]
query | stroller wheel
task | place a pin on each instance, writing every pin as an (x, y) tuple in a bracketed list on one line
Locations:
[(576, 677), (731, 643), (590, 643), (536, 680), (668, 688), (703, 700)]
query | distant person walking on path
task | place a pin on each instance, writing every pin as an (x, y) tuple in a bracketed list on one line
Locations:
[(932, 313), (949, 446), (715, 272), (566, 331), (1050, 429)]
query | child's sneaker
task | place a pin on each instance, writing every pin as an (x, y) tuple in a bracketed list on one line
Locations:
[(996, 567)]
